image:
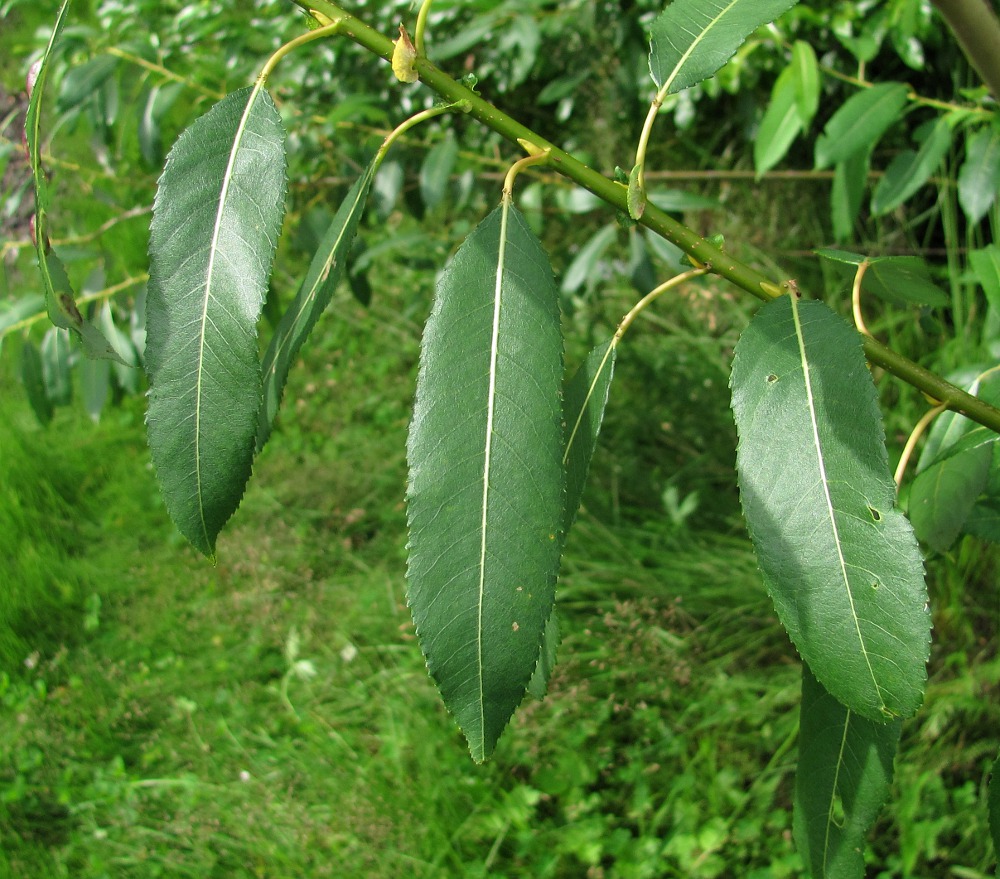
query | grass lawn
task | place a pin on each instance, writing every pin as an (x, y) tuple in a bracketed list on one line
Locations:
[(271, 716)]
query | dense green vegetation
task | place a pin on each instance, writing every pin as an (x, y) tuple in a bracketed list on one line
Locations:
[(271, 716)]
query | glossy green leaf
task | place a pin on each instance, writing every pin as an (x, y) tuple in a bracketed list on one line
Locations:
[(850, 179), (216, 220), (691, 39), (82, 81), (839, 560), (781, 124), (903, 279), (436, 170), (843, 777), (860, 123), (985, 264), (34, 382), (311, 300), (807, 81), (486, 486), (55, 366), (911, 169), (979, 176)]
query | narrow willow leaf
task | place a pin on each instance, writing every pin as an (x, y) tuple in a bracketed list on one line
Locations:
[(903, 279), (55, 366), (13, 313), (583, 269), (839, 560), (781, 124), (943, 495), (979, 176), (806, 79), (850, 178), (585, 398), (216, 220), (911, 169), (842, 782), (95, 386), (436, 171), (314, 295), (485, 494), (34, 382), (691, 39), (860, 123), (985, 264), (59, 297)]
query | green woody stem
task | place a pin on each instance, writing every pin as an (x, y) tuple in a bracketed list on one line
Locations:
[(615, 194)]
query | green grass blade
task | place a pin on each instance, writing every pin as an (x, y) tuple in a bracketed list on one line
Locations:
[(485, 496), (691, 39), (216, 221), (994, 807), (839, 560), (844, 772), (314, 295)]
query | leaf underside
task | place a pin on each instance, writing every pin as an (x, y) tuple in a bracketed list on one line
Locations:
[(842, 781), (691, 39), (314, 295), (839, 560), (216, 220), (485, 493)]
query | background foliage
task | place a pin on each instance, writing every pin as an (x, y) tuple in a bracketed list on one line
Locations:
[(622, 771)]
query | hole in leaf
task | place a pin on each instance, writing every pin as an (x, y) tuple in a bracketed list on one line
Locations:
[(876, 515), (875, 585), (772, 378), (837, 815)]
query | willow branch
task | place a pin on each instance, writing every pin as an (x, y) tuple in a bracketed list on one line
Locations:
[(615, 194)]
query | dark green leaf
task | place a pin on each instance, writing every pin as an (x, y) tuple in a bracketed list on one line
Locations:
[(781, 124), (860, 123), (55, 366), (34, 382), (842, 781), (485, 495), (850, 179), (436, 170), (691, 39), (839, 560), (943, 495), (676, 201), (979, 176), (314, 295), (984, 520), (216, 221), (902, 279), (910, 170), (985, 264)]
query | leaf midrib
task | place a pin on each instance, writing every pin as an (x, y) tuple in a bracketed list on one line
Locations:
[(679, 66), (824, 481), (209, 271)]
